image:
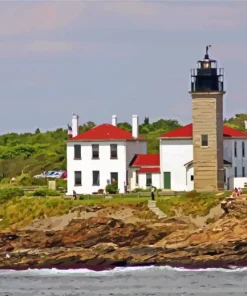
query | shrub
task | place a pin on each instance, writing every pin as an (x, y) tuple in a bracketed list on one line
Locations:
[(112, 188), (9, 193), (5, 181), (46, 192), (143, 190), (27, 180), (61, 183)]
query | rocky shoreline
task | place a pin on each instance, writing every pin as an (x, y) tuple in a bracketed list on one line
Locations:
[(144, 256), (100, 243)]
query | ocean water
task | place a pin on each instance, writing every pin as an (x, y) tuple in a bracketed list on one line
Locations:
[(144, 281)]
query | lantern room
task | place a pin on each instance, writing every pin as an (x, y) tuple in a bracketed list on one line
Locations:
[(207, 77)]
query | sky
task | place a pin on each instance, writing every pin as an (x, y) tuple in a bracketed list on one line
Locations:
[(99, 58)]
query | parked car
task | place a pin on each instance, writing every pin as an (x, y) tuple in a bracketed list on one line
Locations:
[(53, 174)]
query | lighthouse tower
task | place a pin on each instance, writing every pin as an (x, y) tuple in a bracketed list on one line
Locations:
[(207, 91)]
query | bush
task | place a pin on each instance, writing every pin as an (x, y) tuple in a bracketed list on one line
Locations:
[(27, 180), (46, 192), (9, 193), (5, 181), (61, 183), (143, 190), (112, 188)]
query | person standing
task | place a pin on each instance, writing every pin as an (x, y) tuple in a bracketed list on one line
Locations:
[(152, 193), (74, 195)]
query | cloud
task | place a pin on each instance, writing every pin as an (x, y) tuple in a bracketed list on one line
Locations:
[(28, 17), (19, 18), (130, 8), (182, 16), (80, 49)]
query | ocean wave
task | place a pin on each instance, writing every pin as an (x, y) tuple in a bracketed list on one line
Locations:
[(111, 272)]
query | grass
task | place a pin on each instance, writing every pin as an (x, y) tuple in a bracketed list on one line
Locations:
[(191, 203), (19, 212)]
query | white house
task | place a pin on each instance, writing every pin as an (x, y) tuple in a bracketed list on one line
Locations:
[(105, 153), (176, 159), (100, 155)]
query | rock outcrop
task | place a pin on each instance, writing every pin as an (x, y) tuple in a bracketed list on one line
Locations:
[(104, 242)]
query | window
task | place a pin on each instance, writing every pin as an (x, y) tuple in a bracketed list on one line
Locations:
[(224, 175), (243, 171), (77, 151), (236, 171), (95, 151), (192, 178), (243, 149), (204, 140), (127, 178), (96, 178), (114, 178), (148, 179), (113, 150), (137, 179), (235, 149), (77, 178)]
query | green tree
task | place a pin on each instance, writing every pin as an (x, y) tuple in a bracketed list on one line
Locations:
[(146, 121)]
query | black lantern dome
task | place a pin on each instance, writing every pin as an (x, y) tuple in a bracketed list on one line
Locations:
[(207, 77)]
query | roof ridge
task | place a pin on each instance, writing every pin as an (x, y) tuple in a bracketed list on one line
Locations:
[(187, 132), (106, 132)]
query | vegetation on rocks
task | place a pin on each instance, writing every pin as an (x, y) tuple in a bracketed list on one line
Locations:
[(19, 208), (191, 203), (33, 153)]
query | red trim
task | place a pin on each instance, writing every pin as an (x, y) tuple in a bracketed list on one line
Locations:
[(148, 170)]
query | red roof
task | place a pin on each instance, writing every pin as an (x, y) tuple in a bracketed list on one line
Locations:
[(148, 170), (105, 132), (146, 160), (187, 131)]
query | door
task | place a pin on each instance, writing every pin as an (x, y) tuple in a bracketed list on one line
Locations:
[(167, 180), (114, 178)]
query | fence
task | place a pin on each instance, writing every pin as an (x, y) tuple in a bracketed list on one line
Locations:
[(126, 195)]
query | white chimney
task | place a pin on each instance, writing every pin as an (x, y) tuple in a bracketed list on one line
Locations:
[(114, 120), (245, 124), (135, 126), (75, 125)]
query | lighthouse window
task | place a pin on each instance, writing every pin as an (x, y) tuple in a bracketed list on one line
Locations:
[(204, 140)]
